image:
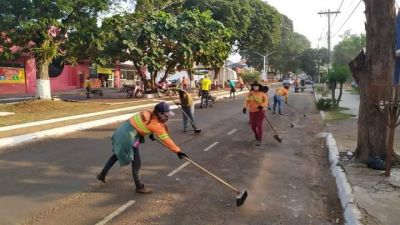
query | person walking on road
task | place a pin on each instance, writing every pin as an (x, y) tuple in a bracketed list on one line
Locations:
[(187, 106), (241, 83), (281, 94), (88, 87), (256, 102), (130, 134), (205, 90), (232, 85)]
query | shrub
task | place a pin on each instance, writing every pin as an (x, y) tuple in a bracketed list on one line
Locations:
[(325, 104), (249, 77)]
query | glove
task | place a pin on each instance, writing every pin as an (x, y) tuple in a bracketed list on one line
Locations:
[(259, 107), (244, 110), (181, 155), (152, 137)]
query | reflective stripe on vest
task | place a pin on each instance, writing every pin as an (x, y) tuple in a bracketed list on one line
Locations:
[(136, 120)]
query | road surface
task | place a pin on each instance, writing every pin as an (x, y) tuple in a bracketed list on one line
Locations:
[(52, 181)]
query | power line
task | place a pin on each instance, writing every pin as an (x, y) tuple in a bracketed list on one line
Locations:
[(351, 14), (337, 14)]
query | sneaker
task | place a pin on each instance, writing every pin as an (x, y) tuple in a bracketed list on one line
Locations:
[(101, 178), (281, 114), (273, 112), (144, 190), (258, 143), (185, 130)]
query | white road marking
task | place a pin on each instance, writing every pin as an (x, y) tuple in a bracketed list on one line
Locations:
[(232, 131), (116, 213), (212, 145), (178, 169)]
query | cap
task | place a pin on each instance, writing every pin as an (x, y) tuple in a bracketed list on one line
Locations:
[(163, 107)]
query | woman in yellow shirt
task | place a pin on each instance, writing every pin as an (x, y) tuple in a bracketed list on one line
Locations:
[(256, 102)]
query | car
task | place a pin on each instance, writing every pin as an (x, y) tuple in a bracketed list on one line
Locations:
[(287, 82)]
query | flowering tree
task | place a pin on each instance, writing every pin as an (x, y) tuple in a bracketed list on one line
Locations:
[(41, 29)]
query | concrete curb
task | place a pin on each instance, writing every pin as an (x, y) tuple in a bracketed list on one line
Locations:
[(316, 100), (15, 140), (352, 214)]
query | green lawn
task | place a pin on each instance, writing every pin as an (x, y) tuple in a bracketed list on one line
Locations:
[(337, 114)]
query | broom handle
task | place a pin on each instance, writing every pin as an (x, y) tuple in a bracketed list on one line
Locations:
[(191, 121), (212, 175), (206, 171), (262, 112)]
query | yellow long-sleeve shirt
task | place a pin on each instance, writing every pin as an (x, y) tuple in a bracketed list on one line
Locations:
[(255, 99), (282, 92)]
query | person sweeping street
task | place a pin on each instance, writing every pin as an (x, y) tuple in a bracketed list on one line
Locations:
[(256, 102), (187, 106), (130, 134), (281, 94)]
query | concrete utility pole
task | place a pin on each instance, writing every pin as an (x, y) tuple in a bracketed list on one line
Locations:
[(329, 13)]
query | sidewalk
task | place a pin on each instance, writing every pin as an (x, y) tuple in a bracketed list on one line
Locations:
[(377, 197)]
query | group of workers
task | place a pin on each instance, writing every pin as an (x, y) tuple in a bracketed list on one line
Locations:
[(131, 133)]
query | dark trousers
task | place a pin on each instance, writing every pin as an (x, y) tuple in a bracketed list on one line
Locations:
[(88, 92), (233, 90), (256, 121), (136, 164), (204, 95)]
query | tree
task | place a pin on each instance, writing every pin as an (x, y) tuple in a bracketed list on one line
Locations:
[(348, 48), (339, 74), (41, 29), (263, 34), (370, 68)]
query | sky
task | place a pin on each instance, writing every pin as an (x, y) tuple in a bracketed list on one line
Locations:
[(307, 21)]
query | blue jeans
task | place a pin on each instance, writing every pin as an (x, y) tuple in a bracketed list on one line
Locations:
[(188, 112), (278, 101)]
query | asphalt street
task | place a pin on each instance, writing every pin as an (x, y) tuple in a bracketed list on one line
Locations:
[(52, 181)]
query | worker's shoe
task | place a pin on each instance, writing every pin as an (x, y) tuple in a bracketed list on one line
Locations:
[(101, 177), (144, 190)]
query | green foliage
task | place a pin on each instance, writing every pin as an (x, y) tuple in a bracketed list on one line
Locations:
[(42, 28), (326, 104), (346, 50), (250, 76), (339, 73)]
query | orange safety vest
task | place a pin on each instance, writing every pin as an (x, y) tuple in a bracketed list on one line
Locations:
[(145, 124)]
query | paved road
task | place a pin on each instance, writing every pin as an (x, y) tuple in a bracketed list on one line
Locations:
[(52, 181)]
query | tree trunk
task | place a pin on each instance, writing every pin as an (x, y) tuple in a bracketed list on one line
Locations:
[(333, 89), (142, 75), (340, 94), (43, 89), (368, 69), (164, 78), (216, 71)]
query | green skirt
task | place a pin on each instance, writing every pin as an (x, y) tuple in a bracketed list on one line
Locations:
[(122, 142)]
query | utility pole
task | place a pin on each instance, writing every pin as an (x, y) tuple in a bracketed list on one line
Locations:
[(329, 13)]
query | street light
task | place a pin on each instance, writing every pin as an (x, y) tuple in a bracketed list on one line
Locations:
[(265, 61)]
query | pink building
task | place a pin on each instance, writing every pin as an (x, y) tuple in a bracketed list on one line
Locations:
[(19, 77)]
